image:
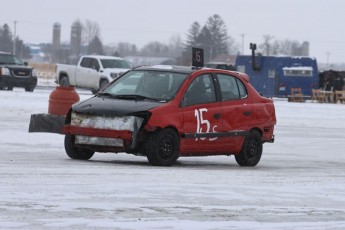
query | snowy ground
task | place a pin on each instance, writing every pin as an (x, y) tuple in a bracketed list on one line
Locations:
[(298, 184)]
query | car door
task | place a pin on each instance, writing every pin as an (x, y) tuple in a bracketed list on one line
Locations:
[(201, 115), (237, 111), (87, 73)]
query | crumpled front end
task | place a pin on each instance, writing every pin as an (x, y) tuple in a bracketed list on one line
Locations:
[(104, 133)]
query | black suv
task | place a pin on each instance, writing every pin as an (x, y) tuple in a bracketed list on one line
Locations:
[(15, 73)]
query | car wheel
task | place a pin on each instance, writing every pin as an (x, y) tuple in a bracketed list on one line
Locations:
[(74, 152), (103, 84), (9, 88), (64, 81), (29, 89), (162, 147), (251, 152)]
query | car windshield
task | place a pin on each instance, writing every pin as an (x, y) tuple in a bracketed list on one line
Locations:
[(115, 63), (10, 59), (139, 84)]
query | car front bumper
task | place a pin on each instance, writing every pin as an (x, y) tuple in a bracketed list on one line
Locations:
[(11, 81)]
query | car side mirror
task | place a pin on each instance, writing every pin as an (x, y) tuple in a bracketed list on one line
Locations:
[(95, 68)]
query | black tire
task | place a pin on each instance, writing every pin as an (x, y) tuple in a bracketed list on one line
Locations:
[(251, 150), (74, 152), (64, 81), (9, 88), (162, 148), (103, 84), (29, 88)]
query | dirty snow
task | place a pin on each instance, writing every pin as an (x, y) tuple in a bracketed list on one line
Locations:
[(298, 184)]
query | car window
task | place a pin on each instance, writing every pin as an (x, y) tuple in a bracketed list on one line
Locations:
[(94, 64), (159, 85), (242, 89), (10, 59), (200, 91), (86, 62), (231, 87), (115, 63)]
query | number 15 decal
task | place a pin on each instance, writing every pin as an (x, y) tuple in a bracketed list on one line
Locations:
[(203, 123)]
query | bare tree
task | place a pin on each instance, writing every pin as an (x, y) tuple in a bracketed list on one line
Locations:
[(124, 49), (90, 31), (233, 46), (175, 46), (76, 38), (96, 46), (266, 46), (281, 47), (155, 49)]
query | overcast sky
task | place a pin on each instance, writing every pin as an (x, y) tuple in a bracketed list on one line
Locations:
[(321, 22)]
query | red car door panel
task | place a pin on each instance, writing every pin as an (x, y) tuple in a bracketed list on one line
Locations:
[(201, 124), (237, 111), (202, 116)]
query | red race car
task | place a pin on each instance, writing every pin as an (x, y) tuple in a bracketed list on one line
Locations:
[(166, 112)]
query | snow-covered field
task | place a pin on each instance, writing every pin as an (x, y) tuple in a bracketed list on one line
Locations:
[(298, 184)]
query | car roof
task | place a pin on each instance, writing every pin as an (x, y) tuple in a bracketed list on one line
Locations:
[(167, 68), (103, 57), (187, 70)]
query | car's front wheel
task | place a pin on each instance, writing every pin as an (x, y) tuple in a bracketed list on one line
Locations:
[(29, 88), (251, 152), (103, 84), (75, 152), (162, 147)]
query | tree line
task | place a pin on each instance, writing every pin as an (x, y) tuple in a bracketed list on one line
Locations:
[(7, 42), (213, 37)]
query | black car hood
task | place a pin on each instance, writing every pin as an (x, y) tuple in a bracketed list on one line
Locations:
[(113, 107)]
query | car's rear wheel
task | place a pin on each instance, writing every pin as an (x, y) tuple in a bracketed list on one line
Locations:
[(64, 81), (162, 147), (251, 150), (75, 152)]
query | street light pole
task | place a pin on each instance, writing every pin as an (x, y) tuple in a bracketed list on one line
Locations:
[(14, 38)]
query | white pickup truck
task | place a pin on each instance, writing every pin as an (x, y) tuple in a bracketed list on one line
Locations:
[(92, 72)]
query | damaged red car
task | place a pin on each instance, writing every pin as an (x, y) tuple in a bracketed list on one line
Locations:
[(167, 112)]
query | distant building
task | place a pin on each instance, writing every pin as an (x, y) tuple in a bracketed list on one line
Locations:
[(56, 42), (36, 53), (76, 30)]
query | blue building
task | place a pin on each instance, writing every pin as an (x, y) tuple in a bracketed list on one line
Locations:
[(276, 75)]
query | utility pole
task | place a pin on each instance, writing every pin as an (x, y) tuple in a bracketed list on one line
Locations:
[(14, 38), (242, 35)]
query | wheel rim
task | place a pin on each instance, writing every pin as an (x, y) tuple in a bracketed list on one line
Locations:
[(166, 147)]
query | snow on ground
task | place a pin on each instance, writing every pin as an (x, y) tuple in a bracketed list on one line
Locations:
[(298, 184)]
